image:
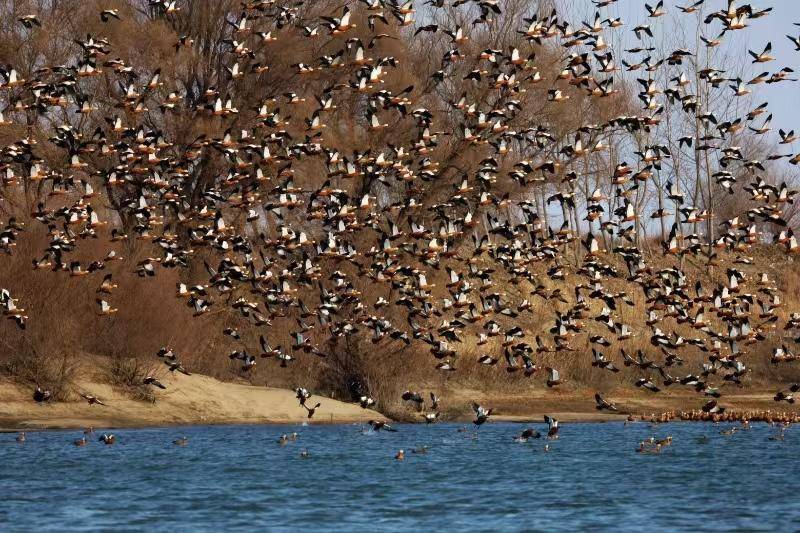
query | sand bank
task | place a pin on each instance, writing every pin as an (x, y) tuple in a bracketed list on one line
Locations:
[(194, 399), (199, 399)]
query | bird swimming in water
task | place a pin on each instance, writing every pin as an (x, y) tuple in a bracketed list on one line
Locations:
[(527, 434), (648, 449), (552, 427), (781, 435), (378, 425)]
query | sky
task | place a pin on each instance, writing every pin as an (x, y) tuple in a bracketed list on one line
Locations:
[(784, 98)]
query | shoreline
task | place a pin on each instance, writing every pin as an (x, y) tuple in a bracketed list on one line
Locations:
[(199, 400), (187, 400), (9, 428)]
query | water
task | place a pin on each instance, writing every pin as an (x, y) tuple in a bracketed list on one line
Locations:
[(239, 478)]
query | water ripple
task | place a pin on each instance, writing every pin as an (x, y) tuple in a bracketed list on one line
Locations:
[(239, 478)]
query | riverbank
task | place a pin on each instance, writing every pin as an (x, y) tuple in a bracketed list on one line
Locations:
[(187, 400), (202, 400), (579, 406)]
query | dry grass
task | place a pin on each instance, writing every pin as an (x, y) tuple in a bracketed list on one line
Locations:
[(64, 327), (128, 374)]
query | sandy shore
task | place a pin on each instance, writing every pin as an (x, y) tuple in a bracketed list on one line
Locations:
[(194, 399), (579, 406), (199, 399)]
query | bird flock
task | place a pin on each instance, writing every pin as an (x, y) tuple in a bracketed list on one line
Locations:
[(467, 217)]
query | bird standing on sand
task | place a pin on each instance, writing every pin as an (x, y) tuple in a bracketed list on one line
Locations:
[(41, 395)]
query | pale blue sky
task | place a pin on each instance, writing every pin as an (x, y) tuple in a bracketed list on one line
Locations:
[(784, 98), (678, 30)]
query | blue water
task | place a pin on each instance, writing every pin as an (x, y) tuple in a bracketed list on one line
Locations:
[(239, 478)]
